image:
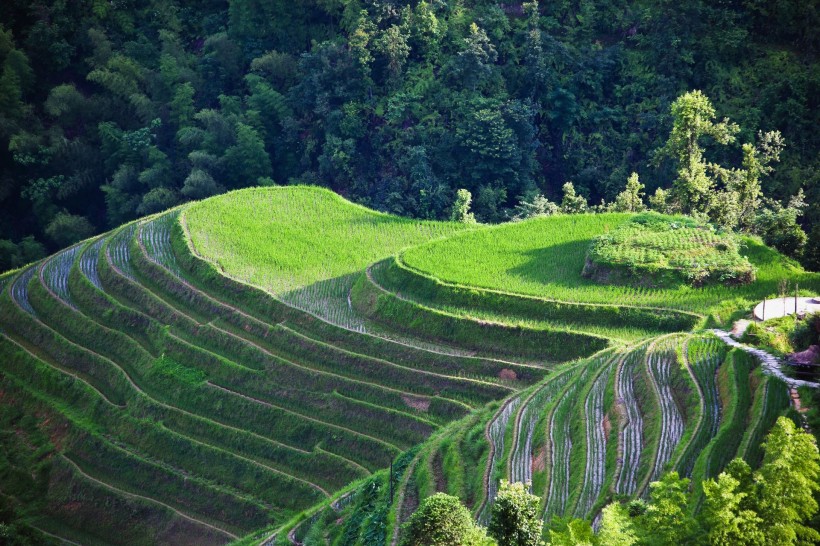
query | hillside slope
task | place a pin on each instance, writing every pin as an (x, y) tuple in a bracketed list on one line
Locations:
[(232, 365), (195, 408), (595, 430)]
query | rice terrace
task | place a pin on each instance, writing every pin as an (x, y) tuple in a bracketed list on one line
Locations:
[(214, 371), (409, 273)]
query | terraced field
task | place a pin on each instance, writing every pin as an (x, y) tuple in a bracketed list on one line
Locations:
[(544, 258), (606, 426), (208, 405), (278, 364)]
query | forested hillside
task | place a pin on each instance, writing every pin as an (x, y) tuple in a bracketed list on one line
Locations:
[(114, 110)]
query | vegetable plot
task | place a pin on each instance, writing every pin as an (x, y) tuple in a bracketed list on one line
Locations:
[(496, 430), (660, 364), (595, 470), (54, 273), (631, 435)]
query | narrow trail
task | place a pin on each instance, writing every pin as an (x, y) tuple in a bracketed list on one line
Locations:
[(770, 363), (62, 540), (125, 493)]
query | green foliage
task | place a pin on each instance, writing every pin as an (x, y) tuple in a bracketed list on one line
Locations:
[(655, 249), (616, 527), (442, 520), (505, 100), (724, 514), (788, 482), (693, 118), (777, 225), (66, 229), (515, 519), (461, 208), (572, 203), (631, 199), (666, 520), (576, 532), (538, 206)]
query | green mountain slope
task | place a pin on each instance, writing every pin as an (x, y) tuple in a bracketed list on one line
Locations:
[(242, 364), (204, 401)]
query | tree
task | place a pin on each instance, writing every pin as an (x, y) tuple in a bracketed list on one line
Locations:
[(693, 118), (461, 208), (757, 162), (724, 209), (576, 532), (631, 199), (536, 206), (474, 63), (777, 225), (247, 161), (659, 201), (666, 520), (515, 520), (66, 229), (200, 184), (811, 255), (442, 520), (572, 203), (787, 485), (724, 516), (616, 527)]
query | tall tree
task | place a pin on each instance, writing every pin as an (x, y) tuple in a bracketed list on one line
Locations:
[(631, 199), (693, 118), (667, 520), (727, 521), (788, 481), (616, 527), (515, 519)]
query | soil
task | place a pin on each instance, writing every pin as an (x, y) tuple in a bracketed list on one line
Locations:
[(421, 404)]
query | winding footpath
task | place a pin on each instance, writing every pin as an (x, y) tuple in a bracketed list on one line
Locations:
[(771, 364)]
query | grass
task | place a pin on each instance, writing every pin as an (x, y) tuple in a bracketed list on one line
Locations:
[(613, 321), (303, 244), (545, 258)]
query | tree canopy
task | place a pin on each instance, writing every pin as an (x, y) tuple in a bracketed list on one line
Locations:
[(113, 110)]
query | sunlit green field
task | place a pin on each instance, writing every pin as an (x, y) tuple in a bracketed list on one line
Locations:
[(286, 238), (544, 257), (303, 244)]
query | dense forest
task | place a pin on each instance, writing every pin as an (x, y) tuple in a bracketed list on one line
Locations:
[(110, 110)]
